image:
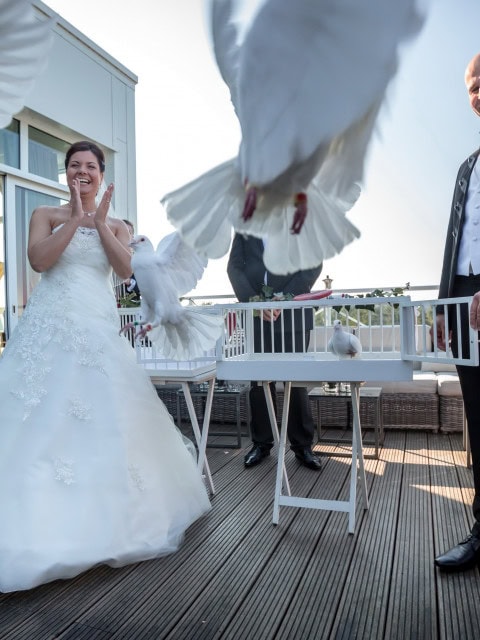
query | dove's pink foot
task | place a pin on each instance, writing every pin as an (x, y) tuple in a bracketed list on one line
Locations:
[(126, 328), (300, 212), (250, 203), (143, 331)]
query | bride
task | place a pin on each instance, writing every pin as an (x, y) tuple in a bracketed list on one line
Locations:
[(92, 467)]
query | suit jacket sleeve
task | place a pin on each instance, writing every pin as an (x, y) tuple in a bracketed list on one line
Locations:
[(236, 271), (455, 227), (302, 281), (246, 271), (443, 291)]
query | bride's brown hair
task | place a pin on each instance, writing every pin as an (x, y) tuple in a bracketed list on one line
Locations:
[(85, 145)]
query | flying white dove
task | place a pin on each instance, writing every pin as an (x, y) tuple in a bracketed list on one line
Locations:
[(179, 332), (307, 79), (342, 343), (24, 45)]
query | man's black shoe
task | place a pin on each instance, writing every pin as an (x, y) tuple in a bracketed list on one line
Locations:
[(306, 457), (464, 556), (255, 455)]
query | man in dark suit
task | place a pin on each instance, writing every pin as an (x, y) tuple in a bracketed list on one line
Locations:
[(130, 284), (461, 277), (247, 275)]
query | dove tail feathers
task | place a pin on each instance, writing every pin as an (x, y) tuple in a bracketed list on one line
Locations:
[(201, 209), (191, 338)]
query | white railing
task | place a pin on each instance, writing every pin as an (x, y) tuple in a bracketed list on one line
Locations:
[(394, 332), (426, 313), (413, 291), (390, 328), (150, 357)]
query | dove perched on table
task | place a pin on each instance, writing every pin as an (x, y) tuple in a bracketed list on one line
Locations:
[(307, 80), (163, 275), (24, 46), (342, 343)]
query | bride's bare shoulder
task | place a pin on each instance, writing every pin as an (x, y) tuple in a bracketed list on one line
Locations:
[(46, 214), (117, 226), (115, 223)]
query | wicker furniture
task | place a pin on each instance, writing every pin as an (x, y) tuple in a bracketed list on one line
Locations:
[(228, 402), (370, 407)]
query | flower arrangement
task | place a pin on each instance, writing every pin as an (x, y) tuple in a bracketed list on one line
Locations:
[(129, 300), (376, 293), (268, 295)]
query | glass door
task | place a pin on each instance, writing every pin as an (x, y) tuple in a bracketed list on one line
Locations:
[(21, 199), (2, 268)]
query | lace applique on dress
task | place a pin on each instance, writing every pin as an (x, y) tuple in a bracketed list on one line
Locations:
[(88, 354), (64, 470), (33, 391), (79, 409), (136, 477), (47, 319), (82, 239)]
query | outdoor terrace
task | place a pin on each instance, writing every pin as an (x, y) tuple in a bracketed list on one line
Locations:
[(238, 576)]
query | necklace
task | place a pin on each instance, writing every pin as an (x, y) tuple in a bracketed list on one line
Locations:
[(89, 213)]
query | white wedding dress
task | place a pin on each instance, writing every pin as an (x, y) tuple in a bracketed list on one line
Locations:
[(92, 468)]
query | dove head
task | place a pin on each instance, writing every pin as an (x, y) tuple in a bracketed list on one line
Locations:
[(337, 325), (141, 243)]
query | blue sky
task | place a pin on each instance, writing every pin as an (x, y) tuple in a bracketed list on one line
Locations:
[(185, 125)]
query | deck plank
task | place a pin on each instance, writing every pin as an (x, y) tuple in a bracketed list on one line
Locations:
[(238, 576), (282, 554), (363, 602), (412, 604), (451, 491)]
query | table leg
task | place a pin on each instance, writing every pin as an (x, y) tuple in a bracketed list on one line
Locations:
[(239, 421), (273, 424), (466, 441), (377, 427), (201, 437), (281, 470), (358, 464)]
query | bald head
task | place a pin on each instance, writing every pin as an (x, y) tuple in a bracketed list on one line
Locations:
[(473, 68), (472, 81)]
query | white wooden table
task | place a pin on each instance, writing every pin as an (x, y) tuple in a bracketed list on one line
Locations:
[(237, 359), (309, 370), (357, 469)]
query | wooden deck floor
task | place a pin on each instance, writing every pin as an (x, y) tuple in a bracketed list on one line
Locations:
[(237, 576)]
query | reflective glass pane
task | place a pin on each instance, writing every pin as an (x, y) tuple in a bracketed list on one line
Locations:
[(26, 201), (10, 145), (2, 270), (46, 155)]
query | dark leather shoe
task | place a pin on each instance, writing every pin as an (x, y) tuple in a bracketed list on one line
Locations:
[(306, 457), (255, 455), (464, 556)]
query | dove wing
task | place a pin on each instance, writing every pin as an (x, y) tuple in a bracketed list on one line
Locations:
[(225, 44), (308, 70), (24, 46), (179, 263)]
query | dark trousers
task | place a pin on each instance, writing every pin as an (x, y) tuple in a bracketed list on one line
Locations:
[(300, 427), (470, 384)]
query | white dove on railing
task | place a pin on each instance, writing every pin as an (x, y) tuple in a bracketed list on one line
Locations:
[(306, 80), (342, 343), (24, 46), (178, 332)]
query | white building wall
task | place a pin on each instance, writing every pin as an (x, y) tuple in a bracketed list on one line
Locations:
[(83, 93), (90, 95)]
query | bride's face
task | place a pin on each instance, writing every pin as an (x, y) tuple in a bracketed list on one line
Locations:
[(83, 166)]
